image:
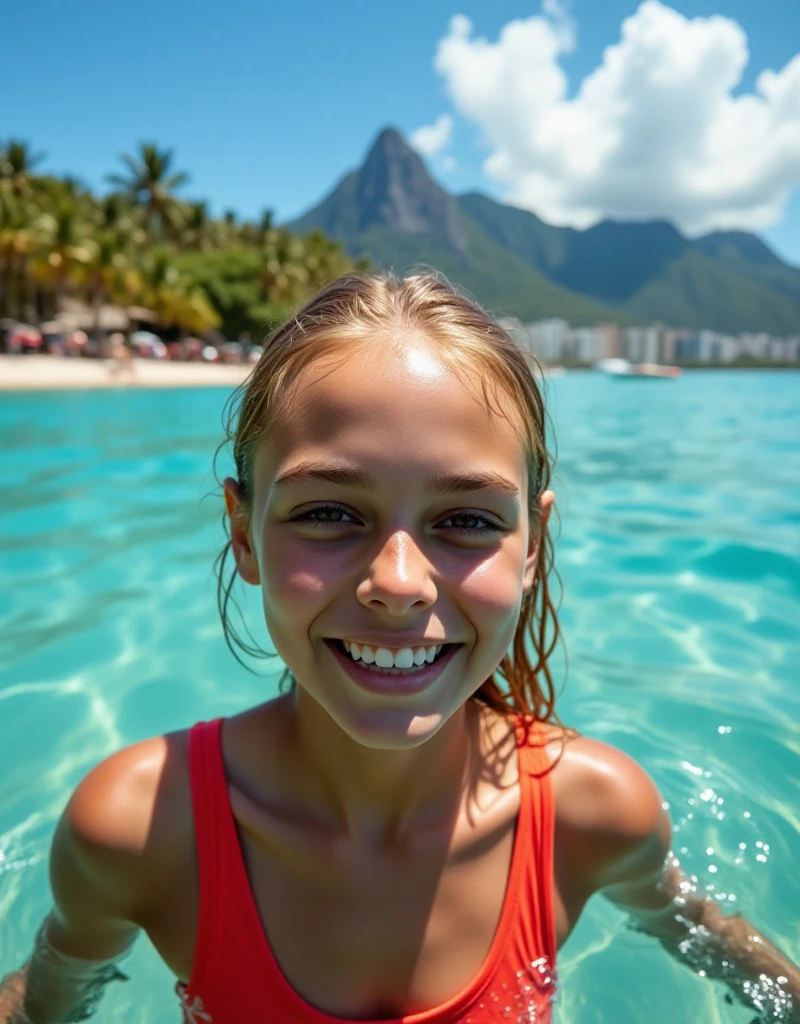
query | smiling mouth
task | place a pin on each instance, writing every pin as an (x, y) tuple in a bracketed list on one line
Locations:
[(372, 663)]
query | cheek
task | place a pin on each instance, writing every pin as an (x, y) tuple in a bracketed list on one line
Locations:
[(296, 575), (493, 589)]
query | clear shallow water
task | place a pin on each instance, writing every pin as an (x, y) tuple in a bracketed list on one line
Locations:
[(680, 553)]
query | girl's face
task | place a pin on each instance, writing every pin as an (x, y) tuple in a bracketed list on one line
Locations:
[(388, 511)]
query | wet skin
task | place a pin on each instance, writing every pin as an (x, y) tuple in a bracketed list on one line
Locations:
[(363, 815), (388, 558)]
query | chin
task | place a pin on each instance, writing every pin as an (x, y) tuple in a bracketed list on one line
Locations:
[(390, 728)]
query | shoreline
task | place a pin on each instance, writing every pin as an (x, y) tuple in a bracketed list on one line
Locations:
[(54, 373)]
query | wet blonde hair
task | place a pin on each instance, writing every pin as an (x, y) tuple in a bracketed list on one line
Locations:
[(363, 309)]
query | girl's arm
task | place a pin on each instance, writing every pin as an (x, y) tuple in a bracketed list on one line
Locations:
[(625, 854), (692, 928), (98, 879)]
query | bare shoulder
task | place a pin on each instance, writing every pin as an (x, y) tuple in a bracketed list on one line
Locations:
[(130, 819), (601, 788), (609, 811)]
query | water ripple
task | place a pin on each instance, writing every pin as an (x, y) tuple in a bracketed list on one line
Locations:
[(680, 553)]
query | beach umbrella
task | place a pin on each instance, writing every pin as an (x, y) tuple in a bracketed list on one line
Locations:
[(144, 338), (27, 336), (210, 354), (55, 327), (141, 314)]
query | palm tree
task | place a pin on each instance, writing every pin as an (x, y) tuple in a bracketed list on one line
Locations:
[(21, 230), (107, 275), (258, 233), (294, 267), (198, 232), (66, 249), (174, 300), (16, 164), (151, 185)]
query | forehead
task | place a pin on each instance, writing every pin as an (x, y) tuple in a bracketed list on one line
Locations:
[(397, 407)]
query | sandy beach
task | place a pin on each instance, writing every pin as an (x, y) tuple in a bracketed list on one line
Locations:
[(40, 373)]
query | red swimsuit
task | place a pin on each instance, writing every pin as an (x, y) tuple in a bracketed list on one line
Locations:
[(236, 979)]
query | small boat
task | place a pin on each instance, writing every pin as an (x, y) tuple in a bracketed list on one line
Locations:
[(622, 368)]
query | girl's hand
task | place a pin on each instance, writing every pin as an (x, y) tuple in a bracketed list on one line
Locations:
[(12, 996)]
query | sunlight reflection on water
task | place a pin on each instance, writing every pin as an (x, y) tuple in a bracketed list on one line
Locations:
[(680, 505)]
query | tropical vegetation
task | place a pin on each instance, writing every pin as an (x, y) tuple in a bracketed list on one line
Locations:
[(141, 245)]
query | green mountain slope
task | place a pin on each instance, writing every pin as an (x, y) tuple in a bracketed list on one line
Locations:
[(336, 216), (542, 245), (726, 281), (697, 291), (751, 257), (499, 280)]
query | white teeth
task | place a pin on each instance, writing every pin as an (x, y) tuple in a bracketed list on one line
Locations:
[(383, 657), (404, 658)]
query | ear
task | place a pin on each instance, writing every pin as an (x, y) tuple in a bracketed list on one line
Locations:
[(546, 500), (241, 544)]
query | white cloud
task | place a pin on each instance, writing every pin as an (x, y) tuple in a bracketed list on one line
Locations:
[(653, 131), (558, 13), (432, 138)]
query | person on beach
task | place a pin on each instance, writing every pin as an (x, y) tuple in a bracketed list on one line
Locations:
[(120, 357), (407, 832)]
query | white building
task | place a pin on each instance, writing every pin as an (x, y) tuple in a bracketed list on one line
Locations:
[(589, 344), (643, 344), (551, 339)]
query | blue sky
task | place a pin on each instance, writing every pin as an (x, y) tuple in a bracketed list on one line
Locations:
[(267, 104)]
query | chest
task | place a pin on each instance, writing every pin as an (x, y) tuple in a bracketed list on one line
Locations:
[(368, 936), (383, 937)]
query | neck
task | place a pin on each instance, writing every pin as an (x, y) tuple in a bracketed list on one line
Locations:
[(381, 797)]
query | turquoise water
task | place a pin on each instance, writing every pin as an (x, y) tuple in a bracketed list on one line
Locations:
[(680, 553)]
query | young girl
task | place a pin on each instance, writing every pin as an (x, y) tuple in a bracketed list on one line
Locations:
[(407, 833)]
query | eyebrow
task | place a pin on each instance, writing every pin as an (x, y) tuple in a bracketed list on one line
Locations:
[(439, 483)]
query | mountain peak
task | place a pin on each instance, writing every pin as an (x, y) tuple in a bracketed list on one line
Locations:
[(395, 191), (390, 138), (392, 191)]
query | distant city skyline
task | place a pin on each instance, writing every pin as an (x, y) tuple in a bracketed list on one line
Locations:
[(267, 105), (555, 341)]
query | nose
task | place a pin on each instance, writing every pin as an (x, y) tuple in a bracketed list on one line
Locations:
[(399, 578)]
